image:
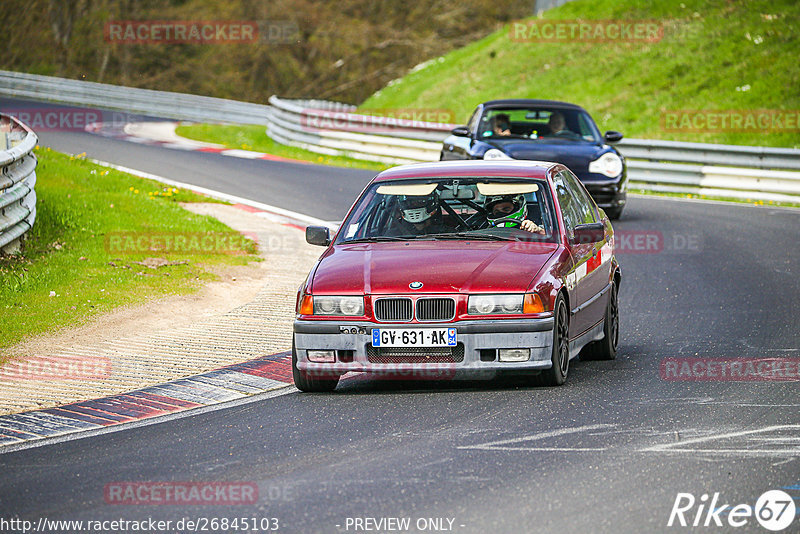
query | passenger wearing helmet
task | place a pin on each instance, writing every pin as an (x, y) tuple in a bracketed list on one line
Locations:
[(419, 215), (503, 207)]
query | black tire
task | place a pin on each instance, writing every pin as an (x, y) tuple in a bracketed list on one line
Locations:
[(614, 213), (311, 384), (557, 374), (606, 348)]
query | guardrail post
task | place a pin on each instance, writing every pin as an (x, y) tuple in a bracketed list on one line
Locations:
[(17, 180)]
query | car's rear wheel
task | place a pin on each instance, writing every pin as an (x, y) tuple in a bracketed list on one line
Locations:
[(606, 348), (305, 382), (557, 374)]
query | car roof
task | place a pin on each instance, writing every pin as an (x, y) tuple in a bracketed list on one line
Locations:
[(515, 169), (523, 102)]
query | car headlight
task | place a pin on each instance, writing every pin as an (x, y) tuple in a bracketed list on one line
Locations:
[(495, 154), (609, 164), (325, 305), (494, 304)]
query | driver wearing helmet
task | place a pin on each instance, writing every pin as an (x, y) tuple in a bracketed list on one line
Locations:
[(501, 208), (420, 215)]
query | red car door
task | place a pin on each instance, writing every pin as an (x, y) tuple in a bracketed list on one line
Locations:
[(593, 270), (580, 254)]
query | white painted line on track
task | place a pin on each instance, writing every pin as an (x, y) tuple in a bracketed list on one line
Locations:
[(287, 214), (715, 202), (685, 446), (502, 444)]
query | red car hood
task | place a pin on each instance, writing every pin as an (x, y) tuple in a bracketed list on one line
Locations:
[(442, 267)]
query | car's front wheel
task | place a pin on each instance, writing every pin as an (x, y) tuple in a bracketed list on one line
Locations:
[(606, 348), (306, 382), (557, 374)]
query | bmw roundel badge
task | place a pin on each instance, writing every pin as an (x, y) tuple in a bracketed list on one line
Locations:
[(415, 285)]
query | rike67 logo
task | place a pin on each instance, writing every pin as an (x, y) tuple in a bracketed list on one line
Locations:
[(774, 510)]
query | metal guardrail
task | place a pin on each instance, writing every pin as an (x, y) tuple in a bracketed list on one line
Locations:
[(17, 181), (758, 173), (178, 106), (763, 173)]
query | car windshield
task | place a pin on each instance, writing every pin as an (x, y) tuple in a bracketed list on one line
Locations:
[(466, 208), (538, 123)]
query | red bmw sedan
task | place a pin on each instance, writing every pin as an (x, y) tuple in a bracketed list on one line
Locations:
[(460, 269)]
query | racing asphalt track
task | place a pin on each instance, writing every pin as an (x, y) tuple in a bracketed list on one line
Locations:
[(608, 452)]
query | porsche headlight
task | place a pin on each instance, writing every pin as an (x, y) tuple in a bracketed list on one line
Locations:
[(495, 154), (325, 305), (494, 304), (609, 164)]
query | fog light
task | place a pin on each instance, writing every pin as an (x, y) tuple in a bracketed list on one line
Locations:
[(514, 355), (322, 356)]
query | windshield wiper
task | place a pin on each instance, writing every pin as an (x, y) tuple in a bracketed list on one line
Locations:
[(380, 238), (466, 235)]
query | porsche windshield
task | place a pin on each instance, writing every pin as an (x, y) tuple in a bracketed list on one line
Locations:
[(512, 209), (547, 125)]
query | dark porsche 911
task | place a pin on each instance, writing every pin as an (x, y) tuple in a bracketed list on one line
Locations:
[(545, 130)]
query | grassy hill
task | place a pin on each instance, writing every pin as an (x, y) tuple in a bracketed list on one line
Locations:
[(336, 49), (739, 55)]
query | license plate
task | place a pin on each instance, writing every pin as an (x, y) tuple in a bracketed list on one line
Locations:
[(413, 337)]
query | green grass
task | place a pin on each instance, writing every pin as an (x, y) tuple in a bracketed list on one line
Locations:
[(708, 50), (252, 137), (81, 208)]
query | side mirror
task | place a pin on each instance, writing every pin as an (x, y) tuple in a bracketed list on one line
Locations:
[(318, 235), (588, 233), (460, 131), (612, 137)]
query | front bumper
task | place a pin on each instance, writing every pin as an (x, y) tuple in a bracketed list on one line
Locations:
[(607, 193), (352, 341)]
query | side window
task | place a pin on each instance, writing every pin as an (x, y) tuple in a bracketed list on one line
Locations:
[(473, 121), (569, 206), (586, 130), (585, 206)]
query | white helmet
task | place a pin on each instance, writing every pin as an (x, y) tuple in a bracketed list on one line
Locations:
[(417, 209)]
